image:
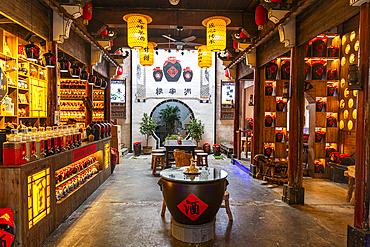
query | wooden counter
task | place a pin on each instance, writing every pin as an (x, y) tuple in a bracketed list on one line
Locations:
[(30, 191)]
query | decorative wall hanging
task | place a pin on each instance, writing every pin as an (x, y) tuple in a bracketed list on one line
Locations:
[(172, 69), (318, 70), (204, 57), (87, 13), (285, 69), (260, 16), (146, 54), (216, 32), (271, 70), (157, 74), (137, 33), (33, 52), (187, 74)]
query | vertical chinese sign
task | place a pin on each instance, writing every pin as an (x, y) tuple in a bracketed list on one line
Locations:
[(106, 155), (38, 196)]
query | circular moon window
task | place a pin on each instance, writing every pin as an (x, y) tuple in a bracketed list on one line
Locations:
[(344, 39), (354, 114), (350, 124), (355, 93), (342, 103), (342, 82), (348, 49), (352, 58), (350, 103), (357, 45), (346, 93), (352, 36), (343, 61), (341, 124), (345, 114)]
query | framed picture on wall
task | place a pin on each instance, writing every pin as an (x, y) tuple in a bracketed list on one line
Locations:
[(118, 98), (227, 99)]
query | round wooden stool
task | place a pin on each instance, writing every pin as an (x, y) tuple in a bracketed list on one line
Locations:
[(156, 151), (157, 160), (202, 159)]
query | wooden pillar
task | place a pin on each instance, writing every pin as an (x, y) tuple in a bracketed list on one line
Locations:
[(89, 95), (52, 105), (236, 118), (293, 192), (107, 105), (258, 119), (361, 214)]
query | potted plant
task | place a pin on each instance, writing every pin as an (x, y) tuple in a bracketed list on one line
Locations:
[(319, 135), (249, 123), (268, 150), (195, 130), (169, 116), (216, 149), (147, 127)]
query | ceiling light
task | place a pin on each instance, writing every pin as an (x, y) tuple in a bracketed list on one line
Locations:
[(174, 2)]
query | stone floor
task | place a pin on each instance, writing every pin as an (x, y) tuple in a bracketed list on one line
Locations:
[(125, 211)]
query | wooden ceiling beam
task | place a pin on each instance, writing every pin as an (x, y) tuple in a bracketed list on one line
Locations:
[(168, 19)]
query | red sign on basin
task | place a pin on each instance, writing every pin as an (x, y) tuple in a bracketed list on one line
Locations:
[(192, 207)]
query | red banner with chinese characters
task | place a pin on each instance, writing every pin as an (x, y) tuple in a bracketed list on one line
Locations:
[(83, 152)]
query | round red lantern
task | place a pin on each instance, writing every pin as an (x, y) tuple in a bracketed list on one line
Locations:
[(261, 16), (87, 13)]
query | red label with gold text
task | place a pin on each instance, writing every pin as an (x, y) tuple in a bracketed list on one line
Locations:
[(83, 152)]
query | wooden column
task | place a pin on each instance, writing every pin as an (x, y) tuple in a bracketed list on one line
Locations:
[(52, 88), (89, 95), (361, 214), (258, 119), (107, 105), (293, 191), (236, 118)]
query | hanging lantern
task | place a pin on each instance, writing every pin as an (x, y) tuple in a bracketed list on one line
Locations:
[(261, 16), (103, 84), (119, 70), (204, 57), (33, 52), (104, 32), (91, 80), (147, 54), (87, 13), (84, 75), (216, 32), (137, 33), (75, 71), (50, 59), (64, 65), (236, 46)]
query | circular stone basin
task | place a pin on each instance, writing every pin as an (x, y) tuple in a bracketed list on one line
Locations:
[(193, 199)]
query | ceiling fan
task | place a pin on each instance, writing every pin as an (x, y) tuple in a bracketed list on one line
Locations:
[(180, 42)]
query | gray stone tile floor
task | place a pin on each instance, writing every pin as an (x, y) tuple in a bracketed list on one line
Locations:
[(125, 211)]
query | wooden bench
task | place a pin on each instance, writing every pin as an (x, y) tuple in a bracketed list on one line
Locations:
[(227, 148)]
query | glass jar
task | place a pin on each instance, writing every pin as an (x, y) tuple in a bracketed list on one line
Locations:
[(43, 142), (30, 145), (37, 139), (14, 150), (50, 146), (57, 140)]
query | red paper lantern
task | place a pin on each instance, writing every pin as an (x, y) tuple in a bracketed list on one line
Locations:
[(119, 70), (242, 35), (87, 13), (235, 45), (261, 16), (276, 1)]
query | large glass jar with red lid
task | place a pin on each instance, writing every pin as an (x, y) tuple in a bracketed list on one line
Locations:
[(64, 133), (50, 141), (96, 130), (38, 140), (43, 142), (14, 150), (57, 140), (30, 145)]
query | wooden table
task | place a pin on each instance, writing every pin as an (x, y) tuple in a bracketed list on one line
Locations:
[(171, 145)]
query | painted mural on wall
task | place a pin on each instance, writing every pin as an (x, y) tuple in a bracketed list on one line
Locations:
[(172, 75)]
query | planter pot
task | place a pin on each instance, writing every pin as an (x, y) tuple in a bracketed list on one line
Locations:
[(319, 48), (320, 106), (157, 74), (331, 122), (207, 149), (147, 150), (318, 71), (331, 91), (172, 69), (280, 106), (137, 149), (269, 121), (217, 151), (319, 137), (271, 71), (267, 152), (279, 137), (269, 90), (319, 168)]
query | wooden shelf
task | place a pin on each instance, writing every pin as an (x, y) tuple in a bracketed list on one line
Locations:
[(6, 57), (75, 175)]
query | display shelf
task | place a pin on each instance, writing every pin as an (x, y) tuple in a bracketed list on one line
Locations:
[(75, 175), (6, 57)]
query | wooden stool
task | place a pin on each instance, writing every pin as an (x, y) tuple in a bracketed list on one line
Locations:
[(202, 159), (157, 160), (227, 205)]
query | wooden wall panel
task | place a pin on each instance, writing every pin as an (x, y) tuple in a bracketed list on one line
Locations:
[(348, 142), (102, 68), (322, 16), (32, 14), (77, 47), (270, 50)]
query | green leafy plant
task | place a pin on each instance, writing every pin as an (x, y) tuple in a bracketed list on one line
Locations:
[(169, 115), (147, 126), (171, 137), (196, 130)]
